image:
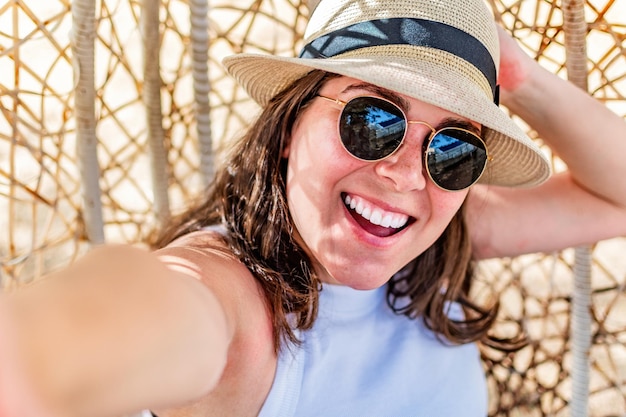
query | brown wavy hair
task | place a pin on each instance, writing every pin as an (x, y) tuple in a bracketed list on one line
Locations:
[(248, 197)]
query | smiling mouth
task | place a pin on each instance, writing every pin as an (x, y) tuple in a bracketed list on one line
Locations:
[(373, 219)]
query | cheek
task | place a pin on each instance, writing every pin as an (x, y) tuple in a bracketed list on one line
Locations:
[(306, 167), (316, 166), (447, 203), (314, 151)]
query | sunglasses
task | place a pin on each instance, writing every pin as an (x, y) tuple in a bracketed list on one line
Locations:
[(372, 129)]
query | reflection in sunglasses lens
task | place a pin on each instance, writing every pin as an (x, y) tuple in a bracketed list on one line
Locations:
[(371, 128), (455, 159)]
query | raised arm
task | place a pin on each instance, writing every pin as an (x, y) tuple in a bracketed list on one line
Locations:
[(584, 204), (119, 330)]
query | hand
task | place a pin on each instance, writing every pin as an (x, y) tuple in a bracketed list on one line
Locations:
[(515, 64)]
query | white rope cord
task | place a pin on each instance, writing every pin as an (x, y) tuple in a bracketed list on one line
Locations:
[(201, 86), (82, 42), (151, 95), (575, 29), (312, 5), (581, 332)]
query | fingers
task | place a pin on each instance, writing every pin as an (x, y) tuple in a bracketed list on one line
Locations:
[(516, 66)]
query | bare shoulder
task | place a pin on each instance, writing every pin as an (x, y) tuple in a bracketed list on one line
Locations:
[(251, 362), (206, 256)]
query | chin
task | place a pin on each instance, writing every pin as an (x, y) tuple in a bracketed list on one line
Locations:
[(360, 280)]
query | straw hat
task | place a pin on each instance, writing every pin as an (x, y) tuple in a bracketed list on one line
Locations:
[(442, 52)]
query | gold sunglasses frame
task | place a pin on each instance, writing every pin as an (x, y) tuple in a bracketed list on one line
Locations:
[(433, 133)]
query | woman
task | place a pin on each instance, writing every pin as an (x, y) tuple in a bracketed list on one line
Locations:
[(328, 270)]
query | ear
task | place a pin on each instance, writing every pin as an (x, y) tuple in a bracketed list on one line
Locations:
[(286, 149)]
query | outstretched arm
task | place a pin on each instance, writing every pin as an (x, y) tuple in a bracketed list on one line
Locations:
[(584, 204), (117, 331)]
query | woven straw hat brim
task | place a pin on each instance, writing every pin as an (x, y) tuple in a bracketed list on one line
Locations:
[(420, 73)]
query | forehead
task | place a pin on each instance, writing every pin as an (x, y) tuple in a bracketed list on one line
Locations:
[(343, 84)]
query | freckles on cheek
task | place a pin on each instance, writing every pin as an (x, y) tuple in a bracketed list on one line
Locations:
[(447, 203)]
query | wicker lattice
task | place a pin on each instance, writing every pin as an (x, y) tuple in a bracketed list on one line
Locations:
[(537, 290), (46, 224)]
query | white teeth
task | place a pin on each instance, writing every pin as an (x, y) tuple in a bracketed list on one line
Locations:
[(374, 214), (359, 207), (396, 223), (376, 217), (386, 221)]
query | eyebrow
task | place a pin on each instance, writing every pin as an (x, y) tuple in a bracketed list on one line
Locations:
[(405, 106), (456, 122), (383, 92)]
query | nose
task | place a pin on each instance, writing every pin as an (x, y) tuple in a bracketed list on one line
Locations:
[(405, 168)]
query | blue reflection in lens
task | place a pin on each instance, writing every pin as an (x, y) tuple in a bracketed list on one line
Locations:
[(455, 158), (371, 128)]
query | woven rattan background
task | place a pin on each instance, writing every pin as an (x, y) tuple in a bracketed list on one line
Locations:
[(42, 222)]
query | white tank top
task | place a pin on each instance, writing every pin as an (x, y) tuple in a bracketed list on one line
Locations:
[(361, 359)]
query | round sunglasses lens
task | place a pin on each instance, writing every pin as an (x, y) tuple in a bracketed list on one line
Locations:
[(455, 158), (371, 128)]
